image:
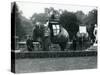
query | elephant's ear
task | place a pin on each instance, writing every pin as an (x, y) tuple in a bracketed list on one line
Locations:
[(64, 32)]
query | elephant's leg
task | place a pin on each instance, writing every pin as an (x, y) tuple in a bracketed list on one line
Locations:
[(45, 44), (63, 46)]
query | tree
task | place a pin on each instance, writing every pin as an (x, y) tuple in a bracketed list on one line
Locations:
[(80, 16), (27, 25), (91, 17), (51, 11), (15, 16), (69, 21), (90, 21), (41, 17)]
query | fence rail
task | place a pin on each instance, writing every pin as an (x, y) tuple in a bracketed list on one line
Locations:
[(53, 54)]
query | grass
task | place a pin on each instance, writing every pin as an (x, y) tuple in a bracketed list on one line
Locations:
[(55, 64)]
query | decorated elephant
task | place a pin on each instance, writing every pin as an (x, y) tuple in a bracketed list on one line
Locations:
[(83, 37), (48, 36), (57, 34)]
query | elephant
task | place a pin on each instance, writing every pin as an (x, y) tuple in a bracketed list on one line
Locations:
[(44, 32)]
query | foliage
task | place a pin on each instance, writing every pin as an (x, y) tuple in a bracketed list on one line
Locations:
[(91, 17), (20, 32), (41, 17), (69, 21), (22, 24), (27, 25), (80, 16)]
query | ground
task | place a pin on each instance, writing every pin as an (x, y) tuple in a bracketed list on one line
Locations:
[(55, 64)]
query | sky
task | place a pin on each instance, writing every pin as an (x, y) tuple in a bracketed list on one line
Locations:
[(29, 8)]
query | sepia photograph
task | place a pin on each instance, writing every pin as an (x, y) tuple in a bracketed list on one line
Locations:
[(48, 37)]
